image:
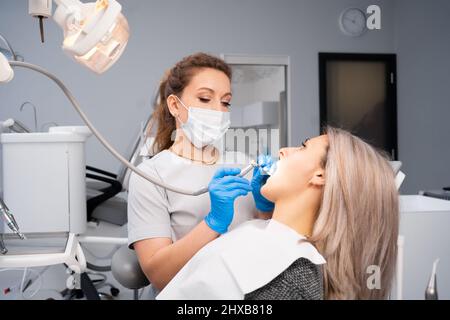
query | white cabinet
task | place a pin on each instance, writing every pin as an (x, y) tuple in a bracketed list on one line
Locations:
[(425, 225), (259, 114)]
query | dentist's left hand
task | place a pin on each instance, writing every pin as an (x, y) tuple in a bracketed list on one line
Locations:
[(224, 188), (258, 180)]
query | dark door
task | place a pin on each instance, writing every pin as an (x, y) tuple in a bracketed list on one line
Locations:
[(358, 93)]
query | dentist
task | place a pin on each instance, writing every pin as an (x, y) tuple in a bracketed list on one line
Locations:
[(165, 228)]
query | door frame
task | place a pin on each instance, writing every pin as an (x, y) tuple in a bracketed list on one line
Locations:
[(391, 87)]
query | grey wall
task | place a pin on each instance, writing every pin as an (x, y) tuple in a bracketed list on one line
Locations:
[(163, 31), (423, 47)]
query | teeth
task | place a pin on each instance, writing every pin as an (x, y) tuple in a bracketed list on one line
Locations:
[(271, 170)]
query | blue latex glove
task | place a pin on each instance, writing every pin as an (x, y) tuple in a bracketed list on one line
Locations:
[(258, 180), (223, 189)]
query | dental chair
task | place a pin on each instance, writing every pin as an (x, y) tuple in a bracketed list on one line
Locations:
[(127, 271), (102, 188)]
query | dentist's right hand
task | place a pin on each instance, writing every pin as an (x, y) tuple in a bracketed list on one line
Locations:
[(223, 189)]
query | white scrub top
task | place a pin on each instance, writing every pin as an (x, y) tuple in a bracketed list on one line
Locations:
[(240, 262), (154, 212)]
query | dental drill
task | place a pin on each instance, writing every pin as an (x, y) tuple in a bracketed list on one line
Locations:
[(268, 170), (15, 126), (3, 249), (247, 169), (9, 220)]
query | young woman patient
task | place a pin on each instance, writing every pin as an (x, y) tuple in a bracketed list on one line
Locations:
[(333, 233)]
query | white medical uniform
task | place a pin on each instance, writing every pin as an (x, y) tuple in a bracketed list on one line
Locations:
[(239, 262), (155, 212)]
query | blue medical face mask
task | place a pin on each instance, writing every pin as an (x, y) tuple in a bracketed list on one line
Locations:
[(204, 126)]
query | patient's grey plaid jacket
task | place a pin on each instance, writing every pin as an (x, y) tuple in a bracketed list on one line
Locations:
[(301, 281)]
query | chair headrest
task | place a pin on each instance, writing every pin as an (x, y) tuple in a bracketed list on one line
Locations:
[(396, 165)]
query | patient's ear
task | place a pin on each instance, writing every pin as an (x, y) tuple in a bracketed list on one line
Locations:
[(318, 178)]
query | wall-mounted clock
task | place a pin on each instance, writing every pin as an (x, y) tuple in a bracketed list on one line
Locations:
[(352, 22)]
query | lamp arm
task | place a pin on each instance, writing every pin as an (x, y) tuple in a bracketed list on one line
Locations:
[(105, 143), (9, 47)]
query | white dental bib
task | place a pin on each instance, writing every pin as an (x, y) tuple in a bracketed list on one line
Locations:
[(240, 262)]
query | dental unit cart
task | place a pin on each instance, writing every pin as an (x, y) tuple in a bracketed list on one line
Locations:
[(45, 188)]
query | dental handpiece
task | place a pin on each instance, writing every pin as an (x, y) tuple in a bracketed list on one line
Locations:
[(3, 249), (267, 170), (9, 219), (253, 164), (248, 168)]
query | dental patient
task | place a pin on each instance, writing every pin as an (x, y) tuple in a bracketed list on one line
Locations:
[(335, 220)]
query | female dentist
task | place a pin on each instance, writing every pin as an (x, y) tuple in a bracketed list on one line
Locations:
[(165, 228)]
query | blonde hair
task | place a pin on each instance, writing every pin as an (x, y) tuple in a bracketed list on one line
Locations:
[(357, 224)]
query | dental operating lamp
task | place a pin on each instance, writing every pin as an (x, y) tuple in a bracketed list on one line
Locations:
[(95, 34)]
